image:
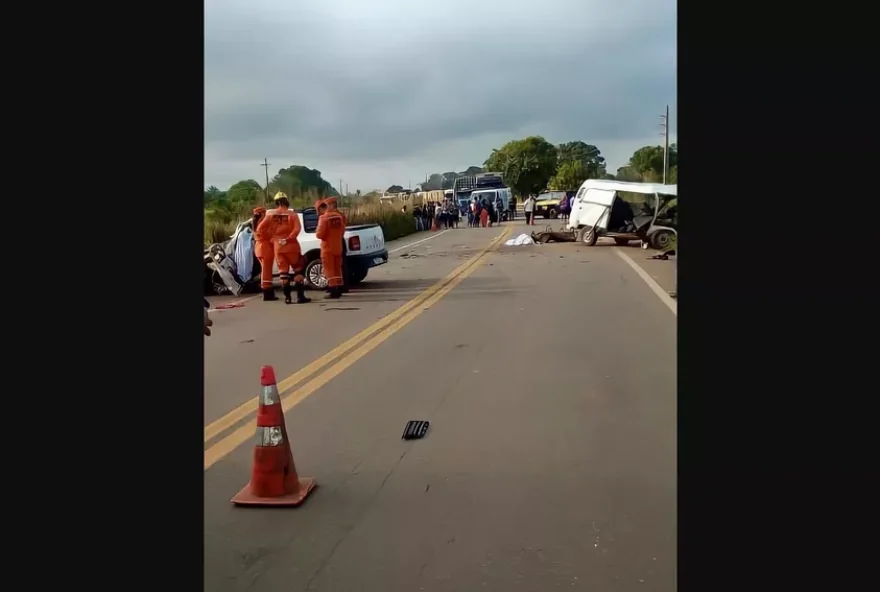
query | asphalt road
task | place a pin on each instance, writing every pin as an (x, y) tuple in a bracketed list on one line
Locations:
[(548, 375)]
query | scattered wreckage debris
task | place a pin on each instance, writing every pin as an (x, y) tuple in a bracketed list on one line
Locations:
[(553, 236), (415, 430), (547, 235)]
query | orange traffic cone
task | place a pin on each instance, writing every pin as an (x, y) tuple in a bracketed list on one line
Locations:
[(274, 481)]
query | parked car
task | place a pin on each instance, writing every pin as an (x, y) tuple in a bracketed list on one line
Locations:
[(549, 203), (364, 244)]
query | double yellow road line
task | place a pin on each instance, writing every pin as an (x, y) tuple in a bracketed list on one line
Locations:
[(344, 356)]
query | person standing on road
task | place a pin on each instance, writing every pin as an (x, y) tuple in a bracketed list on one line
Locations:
[(321, 208), (331, 229), (417, 215), (264, 250), (283, 226), (529, 207), (344, 287), (512, 208), (484, 213)]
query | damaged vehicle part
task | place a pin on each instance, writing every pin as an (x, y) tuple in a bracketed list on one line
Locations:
[(553, 236), (364, 246), (599, 210), (415, 430)]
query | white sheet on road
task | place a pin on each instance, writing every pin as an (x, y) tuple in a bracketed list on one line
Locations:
[(523, 239)]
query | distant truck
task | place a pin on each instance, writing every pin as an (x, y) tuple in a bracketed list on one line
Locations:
[(464, 188), (364, 244)]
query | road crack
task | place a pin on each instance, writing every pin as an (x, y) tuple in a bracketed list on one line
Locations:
[(354, 524)]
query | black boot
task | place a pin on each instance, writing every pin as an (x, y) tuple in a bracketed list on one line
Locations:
[(269, 295), (334, 294), (301, 295), (286, 289)]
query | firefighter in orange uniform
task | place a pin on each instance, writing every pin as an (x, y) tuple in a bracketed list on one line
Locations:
[(331, 228), (344, 287), (265, 253), (322, 208), (283, 225)]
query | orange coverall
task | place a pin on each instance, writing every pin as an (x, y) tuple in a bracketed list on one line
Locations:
[(264, 250), (282, 223), (331, 229)]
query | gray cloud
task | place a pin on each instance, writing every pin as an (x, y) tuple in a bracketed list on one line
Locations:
[(384, 92)]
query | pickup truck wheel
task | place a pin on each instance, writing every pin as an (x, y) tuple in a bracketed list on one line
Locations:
[(357, 277), (314, 273)]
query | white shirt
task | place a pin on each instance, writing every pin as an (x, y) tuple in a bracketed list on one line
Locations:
[(529, 204)]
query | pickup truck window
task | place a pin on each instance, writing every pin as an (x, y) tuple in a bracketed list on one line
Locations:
[(310, 221)]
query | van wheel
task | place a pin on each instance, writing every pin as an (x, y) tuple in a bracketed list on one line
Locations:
[(314, 273), (587, 236), (661, 239), (552, 213)]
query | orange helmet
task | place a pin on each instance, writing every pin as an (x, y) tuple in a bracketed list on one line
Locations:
[(330, 201), (319, 203)]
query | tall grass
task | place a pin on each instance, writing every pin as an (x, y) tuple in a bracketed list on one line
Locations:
[(393, 221), (220, 224)]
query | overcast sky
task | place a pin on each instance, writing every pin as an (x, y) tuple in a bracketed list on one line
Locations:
[(382, 92)]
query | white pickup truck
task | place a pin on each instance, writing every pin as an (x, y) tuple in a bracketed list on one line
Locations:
[(364, 248)]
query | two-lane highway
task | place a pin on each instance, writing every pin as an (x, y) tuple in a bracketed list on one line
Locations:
[(548, 375)]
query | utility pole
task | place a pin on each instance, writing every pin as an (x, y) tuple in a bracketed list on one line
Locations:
[(665, 127), (266, 165)]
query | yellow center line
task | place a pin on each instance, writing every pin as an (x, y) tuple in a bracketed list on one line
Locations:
[(215, 428), (223, 447)]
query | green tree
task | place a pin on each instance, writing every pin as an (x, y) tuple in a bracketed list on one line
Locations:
[(589, 156), (569, 176), (301, 181), (434, 182), (245, 193), (647, 161), (627, 173), (394, 189), (214, 196), (527, 164)]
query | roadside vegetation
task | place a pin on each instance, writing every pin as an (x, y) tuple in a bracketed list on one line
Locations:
[(529, 166)]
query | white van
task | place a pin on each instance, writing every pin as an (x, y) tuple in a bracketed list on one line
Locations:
[(598, 210), (490, 195)]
